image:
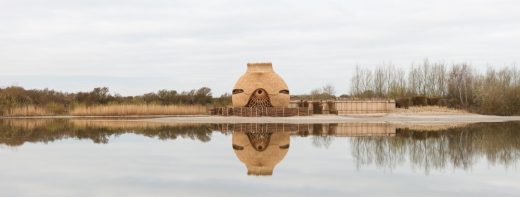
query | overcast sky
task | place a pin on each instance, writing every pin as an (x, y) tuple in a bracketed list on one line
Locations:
[(135, 46)]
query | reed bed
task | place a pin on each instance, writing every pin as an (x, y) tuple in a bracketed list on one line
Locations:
[(122, 124), (134, 110), (29, 110), (430, 110), (430, 126), (25, 123)]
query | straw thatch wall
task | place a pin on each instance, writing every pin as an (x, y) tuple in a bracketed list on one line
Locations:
[(260, 82), (347, 107)]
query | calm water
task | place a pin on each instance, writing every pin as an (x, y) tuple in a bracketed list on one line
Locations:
[(128, 158)]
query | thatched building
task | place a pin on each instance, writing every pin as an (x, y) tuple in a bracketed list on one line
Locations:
[(260, 86)]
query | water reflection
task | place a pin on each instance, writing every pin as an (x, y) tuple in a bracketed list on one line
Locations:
[(16, 132), (261, 147), (460, 147)]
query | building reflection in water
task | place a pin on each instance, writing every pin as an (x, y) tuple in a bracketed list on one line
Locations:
[(261, 147)]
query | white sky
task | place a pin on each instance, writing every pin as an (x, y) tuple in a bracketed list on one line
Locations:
[(135, 46)]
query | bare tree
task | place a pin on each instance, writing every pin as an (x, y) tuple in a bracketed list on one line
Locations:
[(397, 87), (329, 89), (380, 81), (415, 80), (460, 82), (439, 76), (315, 94)]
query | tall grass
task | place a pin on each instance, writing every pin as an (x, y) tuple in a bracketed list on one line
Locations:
[(120, 124), (130, 110), (29, 110), (430, 110)]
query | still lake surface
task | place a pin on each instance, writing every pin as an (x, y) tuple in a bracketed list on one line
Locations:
[(85, 157)]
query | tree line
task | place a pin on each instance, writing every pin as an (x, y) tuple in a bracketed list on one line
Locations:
[(62, 102), (497, 91), (327, 92)]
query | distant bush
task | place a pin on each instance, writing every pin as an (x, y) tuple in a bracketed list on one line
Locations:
[(403, 103), (433, 101), (443, 102), (419, 101)]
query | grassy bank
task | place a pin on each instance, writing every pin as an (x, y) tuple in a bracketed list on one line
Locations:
[(112, 110)]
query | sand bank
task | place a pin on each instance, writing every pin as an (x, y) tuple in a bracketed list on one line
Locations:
[(369, 118)]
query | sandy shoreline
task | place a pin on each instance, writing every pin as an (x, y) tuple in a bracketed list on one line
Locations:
[(389, 118), (393, 118)]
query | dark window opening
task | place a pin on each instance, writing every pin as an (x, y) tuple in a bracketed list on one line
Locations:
[(236, 91), (284, 91)]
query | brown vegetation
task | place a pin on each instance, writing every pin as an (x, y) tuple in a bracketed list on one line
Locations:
[(28, 110), (430, 110), (129, 110), (17, 101)]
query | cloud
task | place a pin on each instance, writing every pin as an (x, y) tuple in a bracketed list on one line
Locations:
[(189, 43)]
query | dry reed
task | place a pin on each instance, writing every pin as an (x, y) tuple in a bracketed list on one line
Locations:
[(122, 124), (430, 110), (430, 126), (132, 110), (24, 123), (29, 110)]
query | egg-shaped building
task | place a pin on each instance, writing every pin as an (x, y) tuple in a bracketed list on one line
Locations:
[(260, 86)]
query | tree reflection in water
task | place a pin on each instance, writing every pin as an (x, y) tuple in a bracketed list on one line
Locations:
[(16, 132), (459, 147), (383, 145)]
